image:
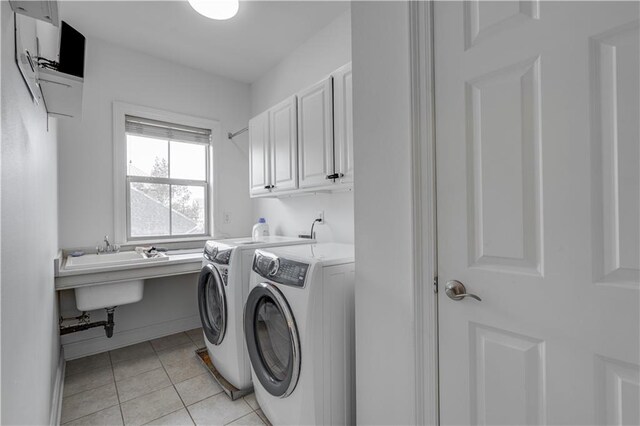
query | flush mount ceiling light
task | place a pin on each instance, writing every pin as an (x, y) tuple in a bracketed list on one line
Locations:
[(216, 9)]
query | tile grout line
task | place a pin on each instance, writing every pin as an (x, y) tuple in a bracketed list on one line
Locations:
[(168, 414), (115, 384), (222, 391), (210, 396), (94, 412), (147, 393), (155, 352), (174, 386), (206, 373), (140, 374), (88, 389), (96, 368), (169, 347), (244, 415), (111, 364)]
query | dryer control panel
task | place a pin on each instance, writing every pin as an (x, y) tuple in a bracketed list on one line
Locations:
[(280, 270)]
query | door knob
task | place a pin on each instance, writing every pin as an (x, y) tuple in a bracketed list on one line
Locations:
[(456, 291)]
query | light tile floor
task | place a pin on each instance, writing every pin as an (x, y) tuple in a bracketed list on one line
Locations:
[(159, 382)]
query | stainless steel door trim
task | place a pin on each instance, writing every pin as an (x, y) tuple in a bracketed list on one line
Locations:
[(293, 334), (272, 385), (207, 271)]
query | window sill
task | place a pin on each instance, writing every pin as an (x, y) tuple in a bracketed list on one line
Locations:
[(170, 243)]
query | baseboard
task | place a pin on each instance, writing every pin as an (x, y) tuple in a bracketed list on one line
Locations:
[(58, 388), (96, 345)]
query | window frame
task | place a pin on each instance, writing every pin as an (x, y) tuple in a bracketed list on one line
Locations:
[(122, 224)]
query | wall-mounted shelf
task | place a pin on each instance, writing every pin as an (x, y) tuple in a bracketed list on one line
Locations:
[(62, 93), (44, 10)]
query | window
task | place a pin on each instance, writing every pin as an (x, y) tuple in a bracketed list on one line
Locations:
[(163, 178), (167, 170)]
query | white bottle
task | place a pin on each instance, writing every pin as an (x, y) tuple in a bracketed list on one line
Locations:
[(260, 229)]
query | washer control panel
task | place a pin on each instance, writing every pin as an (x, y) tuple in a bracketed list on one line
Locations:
[(219, 255), (280, 270)]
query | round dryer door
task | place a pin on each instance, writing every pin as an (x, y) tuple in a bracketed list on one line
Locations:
[(212, 303), (272, 340)]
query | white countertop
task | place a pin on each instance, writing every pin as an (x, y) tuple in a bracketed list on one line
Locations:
[(179, 263)]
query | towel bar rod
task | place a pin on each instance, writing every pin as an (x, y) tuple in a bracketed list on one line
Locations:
[(239, 132)]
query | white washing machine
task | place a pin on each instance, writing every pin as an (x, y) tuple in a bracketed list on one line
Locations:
[(300, 332), (223, 287)]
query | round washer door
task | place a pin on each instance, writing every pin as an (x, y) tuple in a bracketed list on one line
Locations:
[(272, 340), (212, 302)]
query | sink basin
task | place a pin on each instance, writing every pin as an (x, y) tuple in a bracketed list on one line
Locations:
[(111, 259), (99, 296), (109, 295)]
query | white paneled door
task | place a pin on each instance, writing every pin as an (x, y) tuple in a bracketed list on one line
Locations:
[(538, 189)]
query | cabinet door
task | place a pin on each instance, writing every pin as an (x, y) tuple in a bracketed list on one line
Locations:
[(343, 122), (284, 146), (259, 172), (315, 134)]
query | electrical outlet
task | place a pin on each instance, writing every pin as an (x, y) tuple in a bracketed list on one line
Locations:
[(226, 217), (321, 216)]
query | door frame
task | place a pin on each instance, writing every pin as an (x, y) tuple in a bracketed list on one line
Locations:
[(423, 182)]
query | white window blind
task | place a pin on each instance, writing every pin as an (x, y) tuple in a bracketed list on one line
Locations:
[(163, 130)]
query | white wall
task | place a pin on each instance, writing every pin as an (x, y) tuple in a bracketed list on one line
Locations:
[(114, 73), (293, 216), (313, 60), (30, 347), (86, 178), (385, 371)]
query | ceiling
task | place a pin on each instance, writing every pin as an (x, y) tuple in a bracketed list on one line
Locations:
[(242, 48)]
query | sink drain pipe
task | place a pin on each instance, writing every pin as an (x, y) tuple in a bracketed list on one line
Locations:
[(85, 324)]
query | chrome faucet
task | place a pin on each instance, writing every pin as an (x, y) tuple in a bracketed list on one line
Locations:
[(107, 247)]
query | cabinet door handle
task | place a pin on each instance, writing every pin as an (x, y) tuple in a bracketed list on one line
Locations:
[(335, 176), (269, 186)]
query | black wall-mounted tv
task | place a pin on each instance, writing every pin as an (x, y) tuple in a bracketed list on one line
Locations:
[(71, 60)]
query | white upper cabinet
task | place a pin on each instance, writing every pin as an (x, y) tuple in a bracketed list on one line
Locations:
[(284, 146), (305, 143), (315, 134), (259, 156), (343, 123), (273, 150)]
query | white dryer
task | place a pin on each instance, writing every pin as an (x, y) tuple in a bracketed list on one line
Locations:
[(300, 332), (223, 286)]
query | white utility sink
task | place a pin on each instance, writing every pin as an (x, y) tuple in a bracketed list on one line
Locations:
[(89, 261), (108, 295)]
